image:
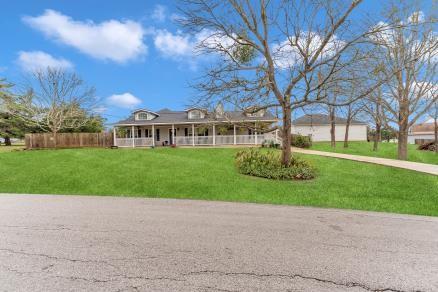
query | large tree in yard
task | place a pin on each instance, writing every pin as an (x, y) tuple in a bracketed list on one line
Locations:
[(274, 54), (407, 50), (55, 101)]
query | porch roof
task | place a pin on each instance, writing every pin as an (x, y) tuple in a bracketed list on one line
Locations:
[(167, 117)]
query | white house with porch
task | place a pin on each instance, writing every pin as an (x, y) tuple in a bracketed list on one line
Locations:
[(194, 127)]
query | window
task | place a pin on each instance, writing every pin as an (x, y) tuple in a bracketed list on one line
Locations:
[(196, 114), (202, 132), (139, 133), (143, 116), (259, 113), (186, 132), (157, 134), (147, 133)]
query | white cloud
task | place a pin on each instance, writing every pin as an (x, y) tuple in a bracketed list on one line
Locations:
[(125, 100), (114, 40), (37, 60), (174, 45), (100, 109), (288, 55), (187, 48), (159, 13), (416, 17)]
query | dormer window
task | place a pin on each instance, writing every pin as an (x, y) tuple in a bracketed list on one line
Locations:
[(196, 114), (144, 115), (259, 113)]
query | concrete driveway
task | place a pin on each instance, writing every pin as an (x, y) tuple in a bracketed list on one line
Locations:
[(74, 243)]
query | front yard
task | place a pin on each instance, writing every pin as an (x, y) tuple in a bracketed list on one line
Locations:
[(209, 174), (386, 150)]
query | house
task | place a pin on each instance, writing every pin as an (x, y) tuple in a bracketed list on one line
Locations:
[(192, 127), (318, 127), (422, 133)]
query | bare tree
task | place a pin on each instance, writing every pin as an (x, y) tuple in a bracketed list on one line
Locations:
[(407, 50), (372, 107), (273, 54), (351, 111), (56, 100), (433, 112)]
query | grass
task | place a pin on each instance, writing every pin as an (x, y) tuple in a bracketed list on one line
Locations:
[(209, 174), (10, 148), (386, 150)]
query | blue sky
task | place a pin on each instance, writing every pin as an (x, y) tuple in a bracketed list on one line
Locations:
[(150, 65)]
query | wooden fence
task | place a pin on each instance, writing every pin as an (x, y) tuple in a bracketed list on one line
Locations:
[(68, 140)]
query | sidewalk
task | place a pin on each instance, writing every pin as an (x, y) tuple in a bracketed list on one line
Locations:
[(416, 166)]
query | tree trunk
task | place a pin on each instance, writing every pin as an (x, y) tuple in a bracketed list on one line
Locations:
[(286, 136), (8, 141), (436, 135), (55, 136), (377, 137), (332, 127), (403, 141), (347, 128)]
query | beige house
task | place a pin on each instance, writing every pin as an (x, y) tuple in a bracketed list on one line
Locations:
[(318, 127), (193, 127), (422, 133)]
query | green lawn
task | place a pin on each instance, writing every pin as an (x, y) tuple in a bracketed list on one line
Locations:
[(210, 174), (10, 148), (386, 150)]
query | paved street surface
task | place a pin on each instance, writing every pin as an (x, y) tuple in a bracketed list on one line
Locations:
[(416, 166), (74, 243)]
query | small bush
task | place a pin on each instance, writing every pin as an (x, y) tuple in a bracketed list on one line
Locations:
[(301, 141), (270, 144), (268, 164)]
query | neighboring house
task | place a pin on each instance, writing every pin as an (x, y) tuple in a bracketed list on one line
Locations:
[(194, 126), (422, 133), (318, 127)]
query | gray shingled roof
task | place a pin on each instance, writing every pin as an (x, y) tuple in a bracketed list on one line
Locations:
[(320, 119), (167, 116)]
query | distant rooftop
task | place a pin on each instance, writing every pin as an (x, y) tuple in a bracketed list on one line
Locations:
[(320, 119)]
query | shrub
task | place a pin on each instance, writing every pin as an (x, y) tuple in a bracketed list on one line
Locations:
[(270, 144), (301, 141), (268, 164)]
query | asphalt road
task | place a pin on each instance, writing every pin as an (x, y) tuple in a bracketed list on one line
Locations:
[(73, 243)]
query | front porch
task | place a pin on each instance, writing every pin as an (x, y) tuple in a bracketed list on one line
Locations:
[(189, 135)]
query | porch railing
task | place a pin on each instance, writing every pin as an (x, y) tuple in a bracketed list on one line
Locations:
[(198, 140), (183, 140), (134, 142)]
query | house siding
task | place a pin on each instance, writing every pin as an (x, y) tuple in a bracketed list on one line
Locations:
[(321, 133)]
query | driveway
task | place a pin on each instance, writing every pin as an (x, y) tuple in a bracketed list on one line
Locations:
[(75, 243), (416, 166)]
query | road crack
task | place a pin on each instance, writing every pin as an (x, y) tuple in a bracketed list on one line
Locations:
[(299, 276)]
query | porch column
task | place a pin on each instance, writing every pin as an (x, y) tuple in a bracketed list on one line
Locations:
[(255, 133), (173, 134), (115, 138), (132, 136), (214, 134), (234, 134), (193, 134), (153, 135)]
